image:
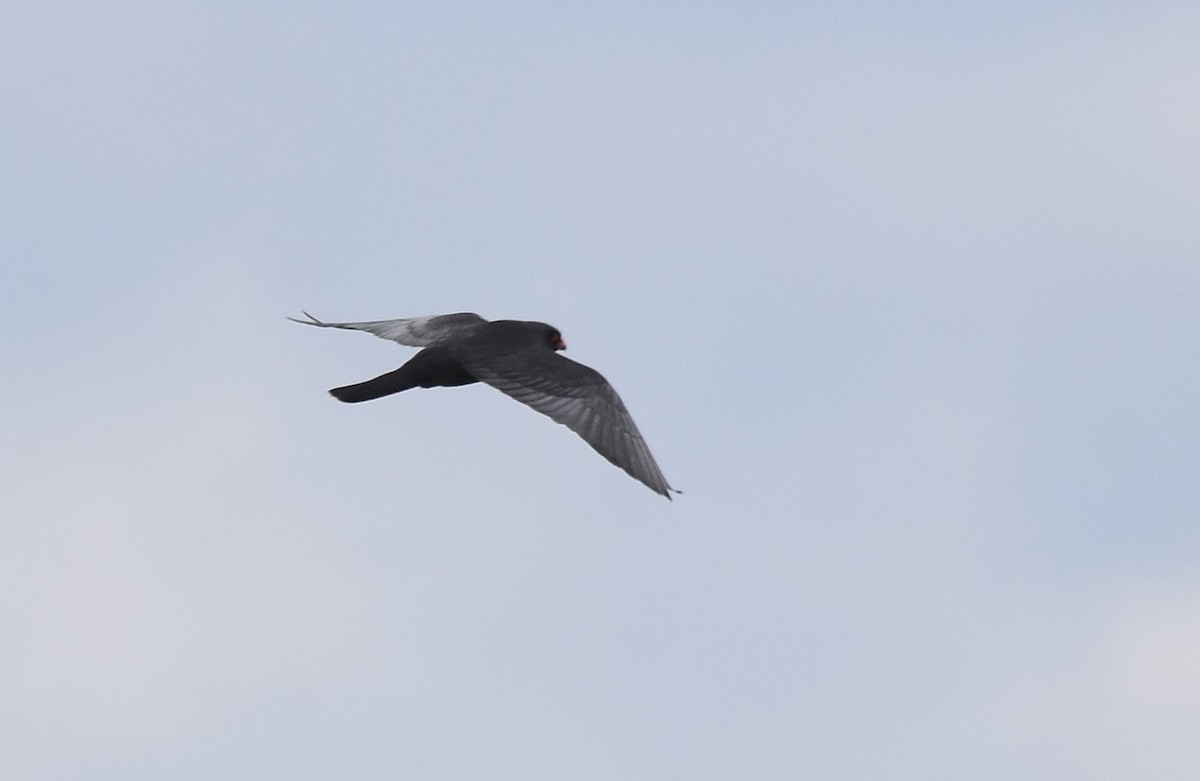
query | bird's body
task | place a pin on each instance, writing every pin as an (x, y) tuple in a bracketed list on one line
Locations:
[(519, 358)]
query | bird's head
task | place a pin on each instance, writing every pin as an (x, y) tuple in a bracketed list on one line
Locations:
[(555, 340)]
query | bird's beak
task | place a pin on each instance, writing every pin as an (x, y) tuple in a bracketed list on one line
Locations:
[(559, 344)]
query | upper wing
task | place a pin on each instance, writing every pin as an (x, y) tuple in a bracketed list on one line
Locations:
[(580, 399), (411, 331)]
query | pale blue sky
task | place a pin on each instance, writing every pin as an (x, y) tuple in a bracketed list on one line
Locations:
[(903, 297)]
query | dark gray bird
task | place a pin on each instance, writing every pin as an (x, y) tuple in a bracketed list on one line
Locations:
[(516, 357)]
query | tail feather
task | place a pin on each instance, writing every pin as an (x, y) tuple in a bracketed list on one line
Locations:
[(383, 385)]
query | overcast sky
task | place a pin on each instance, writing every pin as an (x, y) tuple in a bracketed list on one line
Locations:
[(904, 298)]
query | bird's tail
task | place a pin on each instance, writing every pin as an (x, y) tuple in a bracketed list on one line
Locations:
[(384, 385)]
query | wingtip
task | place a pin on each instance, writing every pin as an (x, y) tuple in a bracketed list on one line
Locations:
[(310, 321)]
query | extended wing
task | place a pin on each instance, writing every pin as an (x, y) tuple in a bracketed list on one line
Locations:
[(410, 331), (579, 398)]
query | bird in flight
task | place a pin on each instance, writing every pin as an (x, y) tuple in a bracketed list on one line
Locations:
[(516, 357)]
